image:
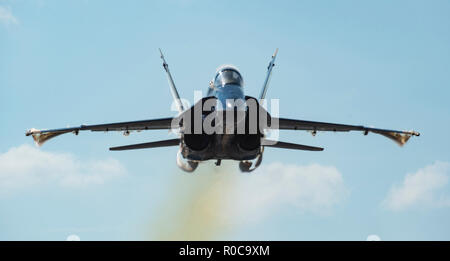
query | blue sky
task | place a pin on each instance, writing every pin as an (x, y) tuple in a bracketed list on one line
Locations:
[(378, 63)]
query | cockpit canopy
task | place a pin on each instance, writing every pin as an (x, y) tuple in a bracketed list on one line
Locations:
[(228, 75)]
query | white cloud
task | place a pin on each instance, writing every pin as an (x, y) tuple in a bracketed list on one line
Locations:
[(312, 188), (421, 189), (6, 17), (73, 238), (27, 166), (373, 238)]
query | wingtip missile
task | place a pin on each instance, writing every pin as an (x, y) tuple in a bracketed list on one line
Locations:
[(40, 137), (399, 138)]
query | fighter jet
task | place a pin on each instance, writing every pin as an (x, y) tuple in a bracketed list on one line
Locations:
[(224, 125)]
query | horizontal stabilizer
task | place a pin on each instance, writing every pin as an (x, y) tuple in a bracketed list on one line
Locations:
[(286, 145), (148, 145)]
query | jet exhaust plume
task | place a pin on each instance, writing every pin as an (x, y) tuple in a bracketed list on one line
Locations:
[(194, 206)]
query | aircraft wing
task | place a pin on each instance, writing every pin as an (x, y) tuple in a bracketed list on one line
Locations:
[(41, 136), (400, 137)]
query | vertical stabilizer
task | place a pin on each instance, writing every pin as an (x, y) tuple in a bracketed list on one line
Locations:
[(269, 73), (173, 89)]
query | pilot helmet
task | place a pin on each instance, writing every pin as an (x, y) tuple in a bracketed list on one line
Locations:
[(228, 75)]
